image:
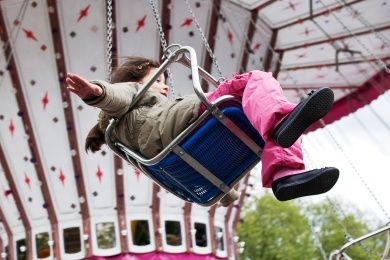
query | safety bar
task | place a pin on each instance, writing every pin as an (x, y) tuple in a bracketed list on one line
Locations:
[(387, 248), (341, 251), (176, 56)]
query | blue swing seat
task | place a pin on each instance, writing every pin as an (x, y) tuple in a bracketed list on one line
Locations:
[(210, 156), (218, 150)]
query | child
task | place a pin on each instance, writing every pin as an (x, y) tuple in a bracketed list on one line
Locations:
[(155, 121)]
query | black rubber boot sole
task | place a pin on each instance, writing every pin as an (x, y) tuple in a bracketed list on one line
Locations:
[(319, 183), (303, 115)]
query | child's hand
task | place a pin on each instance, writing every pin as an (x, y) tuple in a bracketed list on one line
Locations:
[(82, 88)]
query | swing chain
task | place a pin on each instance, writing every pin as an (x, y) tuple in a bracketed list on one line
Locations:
[(109, 39), (159, 26), (205, 43), (164, 44)]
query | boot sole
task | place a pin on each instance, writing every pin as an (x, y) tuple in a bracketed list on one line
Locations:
[(319, 184), (316, 107)]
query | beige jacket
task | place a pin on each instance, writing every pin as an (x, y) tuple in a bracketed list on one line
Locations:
[(152, 123)]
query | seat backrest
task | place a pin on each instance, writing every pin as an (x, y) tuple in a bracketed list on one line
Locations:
[(218, 150)]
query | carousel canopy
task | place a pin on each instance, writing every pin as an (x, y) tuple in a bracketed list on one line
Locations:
[(51, 186)]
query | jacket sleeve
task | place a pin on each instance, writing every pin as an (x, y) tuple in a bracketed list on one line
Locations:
[(115, 99)]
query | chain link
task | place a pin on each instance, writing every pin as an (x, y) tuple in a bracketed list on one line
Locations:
[(156, 15), (204, 40), (164, 44), (109, 39), (381, 63)]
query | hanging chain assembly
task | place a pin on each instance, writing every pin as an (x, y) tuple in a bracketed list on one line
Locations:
[(109, 40), (204, 40)]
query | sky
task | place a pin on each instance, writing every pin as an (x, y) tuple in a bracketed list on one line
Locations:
[(359, 146)]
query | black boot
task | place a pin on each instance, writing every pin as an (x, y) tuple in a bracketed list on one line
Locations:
[(308, 111), (305, 184)]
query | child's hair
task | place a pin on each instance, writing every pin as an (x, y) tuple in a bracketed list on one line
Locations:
[(133, 69)]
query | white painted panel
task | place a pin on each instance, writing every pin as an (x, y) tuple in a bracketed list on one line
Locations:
[(170, 202), (334, 24), (259, 47), (18, 154), (348, 75), (326, 53), (231, 33), (8, 204), (283, 12), (136, 29), (82, 39), (185, 33), (138, 188), (44, 102), (3, 237)]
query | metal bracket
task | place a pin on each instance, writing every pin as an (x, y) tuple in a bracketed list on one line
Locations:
[(352, 52)]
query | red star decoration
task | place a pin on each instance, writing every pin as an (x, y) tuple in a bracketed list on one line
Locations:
[(320, 76), (291, 5), (140, 23), (362, 71), (99, 174), (137, 174), (11, 127), (307, 31), (62, 177), (83, 13), (27, 180), (187, 22), (45, 101), (383, 46), (30, 35), (230, 36), (257, 46)]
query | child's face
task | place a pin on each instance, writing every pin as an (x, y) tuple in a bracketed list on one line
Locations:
[(159, 84)]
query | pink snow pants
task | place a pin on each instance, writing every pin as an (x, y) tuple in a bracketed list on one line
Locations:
[(265, 106)]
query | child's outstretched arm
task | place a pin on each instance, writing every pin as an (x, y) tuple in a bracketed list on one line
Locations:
[(82, 87)]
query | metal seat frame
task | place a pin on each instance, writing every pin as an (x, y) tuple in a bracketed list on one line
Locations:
[(179, 54), (341, 254)]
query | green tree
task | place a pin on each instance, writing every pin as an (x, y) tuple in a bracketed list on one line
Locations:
[(335, 223), (276, 230)]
